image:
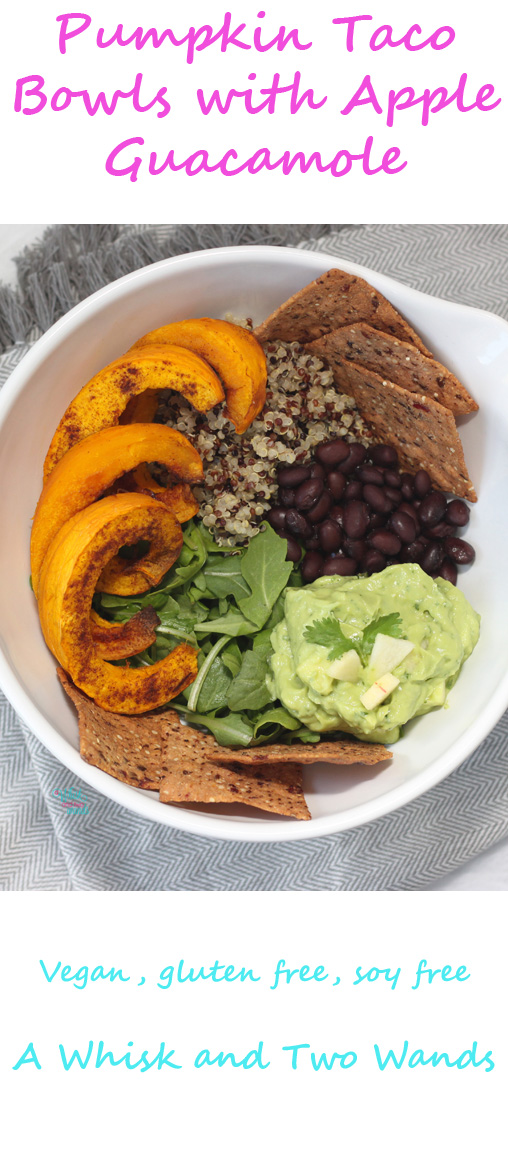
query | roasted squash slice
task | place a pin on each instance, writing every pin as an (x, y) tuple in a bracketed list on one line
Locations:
[(69, 576), (233, 352), (87, 470), (102, 400), (178, 498), (119, 640)]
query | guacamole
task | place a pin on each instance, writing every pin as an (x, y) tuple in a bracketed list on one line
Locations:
[(436, 618)]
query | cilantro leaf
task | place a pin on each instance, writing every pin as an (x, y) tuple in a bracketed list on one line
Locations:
[(386, 625), (328, 633)]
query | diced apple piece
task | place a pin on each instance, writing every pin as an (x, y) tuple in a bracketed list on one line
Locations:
[(387, 653), (348, 668), (379, 691)]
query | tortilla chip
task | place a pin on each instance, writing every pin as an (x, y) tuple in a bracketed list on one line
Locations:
[(334, 300), (422, 431), (397, 361), (341, 751), (132, 748), (158, 753), (270, 788)]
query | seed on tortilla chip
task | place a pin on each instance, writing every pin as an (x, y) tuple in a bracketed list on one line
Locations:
[(276, 787), (422, 431), (345, 752), (397, 361), (334, 300)]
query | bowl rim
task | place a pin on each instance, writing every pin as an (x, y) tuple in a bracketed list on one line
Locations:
[(196, 822)]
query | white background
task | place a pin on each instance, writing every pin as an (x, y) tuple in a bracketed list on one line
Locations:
[(456, 167), (229, 1107)]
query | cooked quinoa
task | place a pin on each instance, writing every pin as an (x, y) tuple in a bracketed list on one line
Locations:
[(302, 409)]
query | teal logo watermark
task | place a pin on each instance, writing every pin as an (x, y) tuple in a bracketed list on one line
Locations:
[(72, 799)]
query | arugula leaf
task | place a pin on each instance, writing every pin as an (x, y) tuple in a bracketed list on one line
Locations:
[(386, 625), (278, 716), (214, 689), (229, 730), (234, 624), (223, 576), (248, 691), (328, 633), (204, 670), (232, 657), (266, 570), (262, 641)]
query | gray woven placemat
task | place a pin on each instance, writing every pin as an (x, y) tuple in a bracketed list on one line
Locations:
[(43, 846)]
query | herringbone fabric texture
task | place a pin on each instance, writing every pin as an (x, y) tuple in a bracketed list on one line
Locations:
[(44, 847)]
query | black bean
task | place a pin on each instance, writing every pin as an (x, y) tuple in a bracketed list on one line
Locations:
[(320, 511), (311, 566), (354, 489), (336, 482), (356, 549), (393, 495), (337, 514), (440, 531), (408, 509), (385, 541), (312, 544), (377, 498), (356, 519), (422, 484), (332, 453), (377, 520), (407, 486), (307, 495), (296, 524), (393, 479), (457, 513), (355, 457), (413, 552), (458, 550), (448, 571), (374, 561), (383, 455), (293, 475), (370, 475), (432, 509), (294, 551), (317, 471), (287, 496), (339, 566), (403, 525), (432, 558), (277, 517), (330, 536)]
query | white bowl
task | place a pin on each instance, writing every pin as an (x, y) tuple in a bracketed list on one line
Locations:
[(253, 281)]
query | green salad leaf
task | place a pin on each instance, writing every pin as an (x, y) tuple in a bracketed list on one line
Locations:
[(248, 691), (226, 601), (266, 570)]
